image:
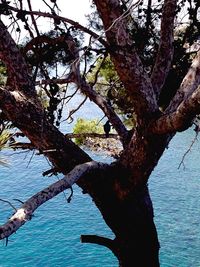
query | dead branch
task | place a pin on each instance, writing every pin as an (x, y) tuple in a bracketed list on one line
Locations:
[(25, 212), (32, 18), (104, 106), (98, 71), (24, 146), (6, 201), (75, 110), (91, 135), (188, 150), (52, 81), (54, 16), (100, 240), (52, 171)]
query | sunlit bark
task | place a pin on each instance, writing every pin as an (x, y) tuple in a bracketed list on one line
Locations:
[(25, 212)]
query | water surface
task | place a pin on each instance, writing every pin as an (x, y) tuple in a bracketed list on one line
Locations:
[(52, 237)]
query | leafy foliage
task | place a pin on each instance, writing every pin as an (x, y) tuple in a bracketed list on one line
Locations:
[(48, 52), (108, 84), (4, 138), (49, 49), (144, 24), (2, 74), (86, 126)]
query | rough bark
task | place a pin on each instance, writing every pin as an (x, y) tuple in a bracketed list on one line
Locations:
[(120, 195), (165, 50), (180, 119), (25, 212), (188, 86), (31, 120), (127, 63), (185, 104)]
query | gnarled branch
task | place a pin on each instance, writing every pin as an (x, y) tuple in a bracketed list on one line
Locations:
[(100, 240), (72, 22), (25, 212)]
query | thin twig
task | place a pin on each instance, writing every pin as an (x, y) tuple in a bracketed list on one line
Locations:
[(188, 150), (6, 201)]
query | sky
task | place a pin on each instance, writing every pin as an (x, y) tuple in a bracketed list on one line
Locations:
[(74, 9)]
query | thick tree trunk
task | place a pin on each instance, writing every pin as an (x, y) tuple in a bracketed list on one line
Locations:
[(129, 214), (124, 201), (138, 241)]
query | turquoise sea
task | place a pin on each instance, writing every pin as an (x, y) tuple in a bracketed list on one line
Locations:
[(52, 237)]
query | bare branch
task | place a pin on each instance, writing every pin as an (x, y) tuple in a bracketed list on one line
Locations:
[(33, 19), (104, 106), (166, 50), (75, 109), (20, 145), (25, 212), (98, 71), (99, 240), (92, 135), (73, 23), (188, 150), (6, 201)]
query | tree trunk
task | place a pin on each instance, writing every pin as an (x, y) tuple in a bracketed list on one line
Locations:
[(131, 220), (129, 214), (125, 204), (138, 241)]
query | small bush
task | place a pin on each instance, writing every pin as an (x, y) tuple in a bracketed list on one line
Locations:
[(4, 138), (86, 126)]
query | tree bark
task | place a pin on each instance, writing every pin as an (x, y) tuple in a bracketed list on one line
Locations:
[(138, 240), (131, 219)]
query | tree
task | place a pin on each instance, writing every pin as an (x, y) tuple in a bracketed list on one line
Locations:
[(148, 44)]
